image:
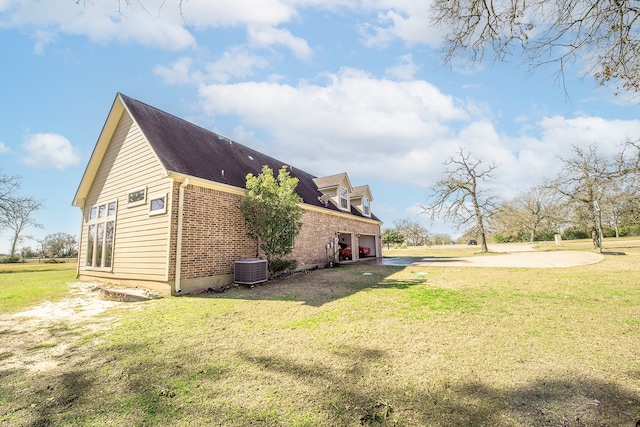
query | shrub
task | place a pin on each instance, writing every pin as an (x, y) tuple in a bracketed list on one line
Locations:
[(10, 260), (281, 265), (630, 230), (546, 236), (574, 233), (501, 238)]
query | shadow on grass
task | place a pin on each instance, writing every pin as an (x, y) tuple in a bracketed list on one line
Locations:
[(317, 287), (351, 389), (42, 401), (354, 394), (83, 396)]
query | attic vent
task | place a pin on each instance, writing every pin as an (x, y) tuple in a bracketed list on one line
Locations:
[(250, 271)]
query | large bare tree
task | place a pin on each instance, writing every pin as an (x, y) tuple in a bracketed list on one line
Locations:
[(604, 34), (583, 182), (460, 196)]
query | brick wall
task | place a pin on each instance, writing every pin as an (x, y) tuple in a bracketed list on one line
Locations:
[(214, 234), (311, 245)]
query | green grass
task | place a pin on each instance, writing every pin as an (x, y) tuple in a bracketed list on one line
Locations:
[(38, 265), (335, 347), (24, 288)]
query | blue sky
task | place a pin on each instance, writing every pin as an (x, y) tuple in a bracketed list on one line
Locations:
[(327, 86)]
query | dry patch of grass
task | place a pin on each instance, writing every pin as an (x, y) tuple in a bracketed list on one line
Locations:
[(450, 346)]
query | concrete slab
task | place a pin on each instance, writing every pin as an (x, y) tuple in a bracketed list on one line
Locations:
[(509, 256)]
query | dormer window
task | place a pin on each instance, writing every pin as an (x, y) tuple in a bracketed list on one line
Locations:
[(344, 198), (365, 206)]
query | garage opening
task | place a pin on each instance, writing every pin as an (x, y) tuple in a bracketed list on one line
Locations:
[(346, 248), (367, 246)]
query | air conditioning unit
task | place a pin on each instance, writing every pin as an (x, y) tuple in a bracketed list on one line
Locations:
[(250, 271)]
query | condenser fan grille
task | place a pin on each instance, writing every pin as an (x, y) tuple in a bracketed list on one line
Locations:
[(250, 271)]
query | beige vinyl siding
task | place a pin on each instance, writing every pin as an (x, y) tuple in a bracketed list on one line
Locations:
[(141, 241)]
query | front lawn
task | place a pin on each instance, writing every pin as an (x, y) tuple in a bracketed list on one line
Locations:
[(25, 285), (358, 345)]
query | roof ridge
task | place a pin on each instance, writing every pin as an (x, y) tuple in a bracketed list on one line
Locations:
[(179, 118)]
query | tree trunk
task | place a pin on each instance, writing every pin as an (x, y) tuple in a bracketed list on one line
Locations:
[(483, 237), (14, 243)]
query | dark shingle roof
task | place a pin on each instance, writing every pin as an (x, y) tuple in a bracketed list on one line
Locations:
[(188, 149)]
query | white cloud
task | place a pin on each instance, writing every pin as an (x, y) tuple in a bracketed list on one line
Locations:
[(207, 13), (179, 73), (3, 148), (42, 38), (169, 24), (354, 123), (582, 131), (269, 36), (48, 151), (406, 20), (405, 69), (235, 63), (528, 159), (174, 24), (400, 132), (101, 22)]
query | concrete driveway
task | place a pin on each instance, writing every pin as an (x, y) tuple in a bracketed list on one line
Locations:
[(506, 255)]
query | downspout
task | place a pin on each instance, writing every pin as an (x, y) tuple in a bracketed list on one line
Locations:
[(80, 242), (179, 238)]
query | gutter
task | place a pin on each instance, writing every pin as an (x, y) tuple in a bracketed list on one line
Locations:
[(184, 183)]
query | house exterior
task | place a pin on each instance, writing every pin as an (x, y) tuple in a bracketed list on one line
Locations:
[(160, 201)]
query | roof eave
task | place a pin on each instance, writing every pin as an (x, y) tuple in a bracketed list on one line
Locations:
[(108, 129)]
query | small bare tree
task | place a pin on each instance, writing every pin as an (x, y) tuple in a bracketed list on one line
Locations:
[(537, 210), (60, 245), (459, 195), (17, 215), (414, 233)]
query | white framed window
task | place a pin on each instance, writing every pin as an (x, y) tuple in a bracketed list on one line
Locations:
[(158, 205), (100, 235), (137, 197), (344, 198), (366, 207)]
